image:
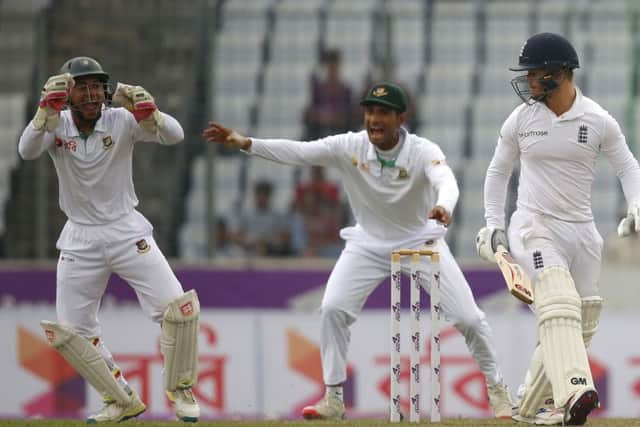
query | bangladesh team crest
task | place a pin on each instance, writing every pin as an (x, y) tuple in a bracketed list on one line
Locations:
[(143, 246), (380, 91), (107, 143)]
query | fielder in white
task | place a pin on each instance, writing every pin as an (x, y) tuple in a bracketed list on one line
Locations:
[(557, 134), (401, 192), (91, 146)]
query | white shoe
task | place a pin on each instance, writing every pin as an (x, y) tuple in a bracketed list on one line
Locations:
[(544, 417), (329, 408), (500, 400), (580, 405), (112, 411), (185, 404)]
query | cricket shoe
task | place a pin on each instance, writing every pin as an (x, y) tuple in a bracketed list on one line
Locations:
[(580, 405), (544, 417), (500, 401), (113, 411), (329, 408), (185, 404)]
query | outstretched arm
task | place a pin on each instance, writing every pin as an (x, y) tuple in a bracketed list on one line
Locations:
[(319, 152), (215, 132)]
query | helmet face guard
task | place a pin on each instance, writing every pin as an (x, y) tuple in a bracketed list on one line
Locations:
[(104, 87), (522, 87), (84, 66)]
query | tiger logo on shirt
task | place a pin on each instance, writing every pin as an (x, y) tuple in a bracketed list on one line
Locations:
[(143, 246), (107, 143)]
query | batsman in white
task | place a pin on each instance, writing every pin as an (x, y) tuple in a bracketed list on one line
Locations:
[(402, 194), (557, 134), (91, 146)]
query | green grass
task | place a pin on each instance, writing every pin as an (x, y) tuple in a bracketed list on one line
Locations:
[(454, 422)]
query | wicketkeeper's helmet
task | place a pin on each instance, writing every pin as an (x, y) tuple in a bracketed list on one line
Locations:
[(81, 66), (84, 66)]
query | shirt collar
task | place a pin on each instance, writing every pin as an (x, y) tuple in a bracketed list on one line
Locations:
[(402, 161), (403, 156), (577, 108)]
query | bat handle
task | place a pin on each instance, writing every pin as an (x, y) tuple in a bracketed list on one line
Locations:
[(501, 248)]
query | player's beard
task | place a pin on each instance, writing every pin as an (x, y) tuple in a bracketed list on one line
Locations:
[(87, 114)]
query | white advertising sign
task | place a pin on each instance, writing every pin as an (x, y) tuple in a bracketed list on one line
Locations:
[(266, 363)]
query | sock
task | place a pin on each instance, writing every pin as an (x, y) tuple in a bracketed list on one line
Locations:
[(334, 391)]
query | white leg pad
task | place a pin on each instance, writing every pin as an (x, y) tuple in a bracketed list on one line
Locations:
[(591, 309), (537, 385), (179, 341), (558, 308), (86, 360)]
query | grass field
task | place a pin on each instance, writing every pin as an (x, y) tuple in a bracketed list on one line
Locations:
[(458, 422)]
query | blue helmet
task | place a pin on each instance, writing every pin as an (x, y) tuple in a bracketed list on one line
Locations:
[(549, 51), (545, 51)]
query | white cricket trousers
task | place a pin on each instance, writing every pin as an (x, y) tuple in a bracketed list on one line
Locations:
[(538, 241), (358, 272), (89, 255)]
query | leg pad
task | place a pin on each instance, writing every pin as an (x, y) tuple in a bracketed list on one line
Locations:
[(86, 359), (179, 341)]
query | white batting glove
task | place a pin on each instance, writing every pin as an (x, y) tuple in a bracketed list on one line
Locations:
[(53, 99), (488, 240), (630, 223), (141, 104)]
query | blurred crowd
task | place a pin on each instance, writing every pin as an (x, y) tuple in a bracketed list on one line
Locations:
[(311, 224)]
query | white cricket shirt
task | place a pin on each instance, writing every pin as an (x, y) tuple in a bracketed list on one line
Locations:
[(95, 176), (388, 203), (557, 160)]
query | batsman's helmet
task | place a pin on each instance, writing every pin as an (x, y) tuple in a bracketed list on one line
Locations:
[(547, 50), (84, 66)]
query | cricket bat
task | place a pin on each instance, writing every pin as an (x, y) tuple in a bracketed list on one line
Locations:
[(514, 275)]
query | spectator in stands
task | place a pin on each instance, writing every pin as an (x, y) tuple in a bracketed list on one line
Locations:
[(317, 216), (92, 147), (556, 135), (329, 110), (225, 243), (402, 193), (264, 231)]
